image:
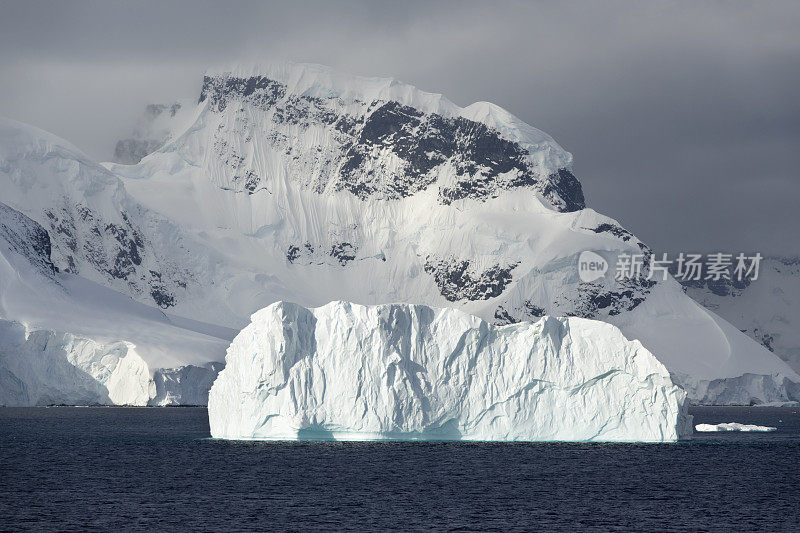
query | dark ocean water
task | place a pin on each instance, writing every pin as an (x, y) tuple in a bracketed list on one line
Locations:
[(155, 469)]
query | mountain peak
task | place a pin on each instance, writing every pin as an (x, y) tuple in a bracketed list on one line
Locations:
[(320, 81), (376, 138)]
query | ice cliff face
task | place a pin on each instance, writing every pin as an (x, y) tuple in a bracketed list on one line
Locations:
[(46, 368), (352, 372), (294, 182), (187, 385)]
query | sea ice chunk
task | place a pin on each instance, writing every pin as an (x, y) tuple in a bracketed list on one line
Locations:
[(732, 426)]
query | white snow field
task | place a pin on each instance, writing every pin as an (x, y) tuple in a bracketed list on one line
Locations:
[(732, 426), (351, 372), (767, 309), (297, 183)]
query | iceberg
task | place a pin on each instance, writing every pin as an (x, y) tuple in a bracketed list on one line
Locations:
[(345, 371), (186, 385)]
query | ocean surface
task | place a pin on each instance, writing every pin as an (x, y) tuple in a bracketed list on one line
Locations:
[(129, 469)]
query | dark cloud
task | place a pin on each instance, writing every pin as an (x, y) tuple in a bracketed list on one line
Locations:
[(682, 116)]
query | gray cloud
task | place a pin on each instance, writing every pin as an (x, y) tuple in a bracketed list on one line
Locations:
[(682, 116)]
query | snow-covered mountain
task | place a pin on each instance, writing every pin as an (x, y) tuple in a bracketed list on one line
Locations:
[(297, 183), (67, 336), (350, 372), (766, 309), (157, 126)]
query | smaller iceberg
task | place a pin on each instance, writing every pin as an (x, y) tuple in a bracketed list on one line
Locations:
[(731, 426), (352, 372)]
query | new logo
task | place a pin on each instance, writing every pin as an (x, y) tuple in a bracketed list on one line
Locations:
[(591, 266)]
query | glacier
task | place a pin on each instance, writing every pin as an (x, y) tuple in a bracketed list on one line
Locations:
[(46, 368), (294, 182), (185, 385), (351, 372)]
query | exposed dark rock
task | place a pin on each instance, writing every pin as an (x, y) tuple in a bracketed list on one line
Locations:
[(153, 111), (158, 291), (304, 110), (458, 281), (564, 186), (259, 91), (292, 253), (767, 340), (720, 287), (129, 243), (131, 151), (162, 297), (65, 227), (532, 310), (528, 312), (503, 317), (596, 299), (485, 162), (27, 238), (115, 249), (613, 229), (343, 252), (251, 181)]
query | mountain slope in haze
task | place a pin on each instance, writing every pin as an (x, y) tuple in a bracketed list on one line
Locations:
[(297, 183), (157, 126), (765, 309)]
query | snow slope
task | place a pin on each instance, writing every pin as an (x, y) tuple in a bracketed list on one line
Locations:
[(765, 309), (351, 372), (294, 182)]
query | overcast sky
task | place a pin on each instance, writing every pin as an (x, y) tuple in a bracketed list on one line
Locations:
[(683, 117)]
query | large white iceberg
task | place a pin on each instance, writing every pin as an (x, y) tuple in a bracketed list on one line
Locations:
[(351, 372)]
